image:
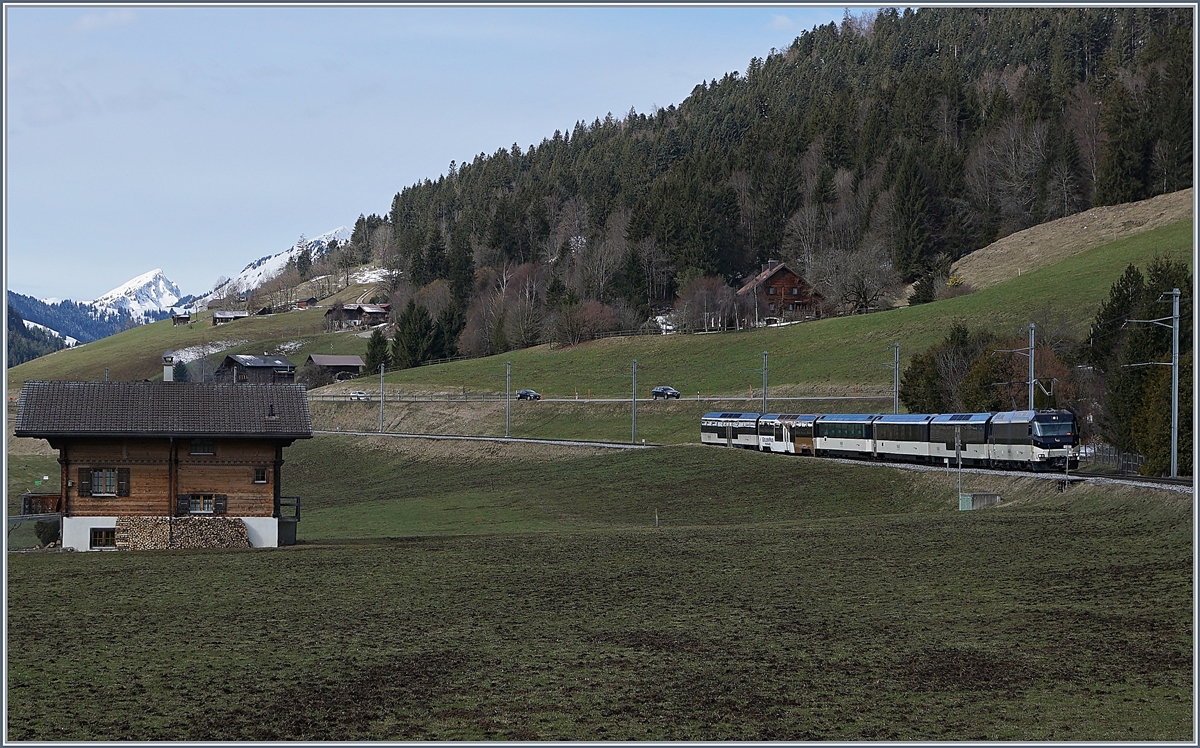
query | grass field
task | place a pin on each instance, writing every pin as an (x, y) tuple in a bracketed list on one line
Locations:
[(533, 597), (661, 422)]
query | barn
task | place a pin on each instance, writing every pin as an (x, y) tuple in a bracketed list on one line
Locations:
[(264, 369), (149, 465)]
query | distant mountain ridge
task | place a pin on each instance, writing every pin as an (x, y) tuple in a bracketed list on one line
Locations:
[(152, 296), (265, 268)]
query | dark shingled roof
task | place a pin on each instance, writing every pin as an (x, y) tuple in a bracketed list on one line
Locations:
[(181, 409), (263, 361), (326, 359)]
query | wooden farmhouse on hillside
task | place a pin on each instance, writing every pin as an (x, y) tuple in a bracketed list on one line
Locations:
[(264, 369), (339, 367), (779, 293), (167, 464), (353, 315), (224, 318)]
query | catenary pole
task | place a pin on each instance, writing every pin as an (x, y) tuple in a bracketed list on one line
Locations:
[(895, 377), (764, 409), (381, 398), (1031, 379), (1175, 383), (633, 410), (507, 397)]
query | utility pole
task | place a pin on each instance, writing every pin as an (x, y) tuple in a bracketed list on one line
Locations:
[(958, 456), (1027, 352), (1031, 379), (381, 398), (507, 397), (1175, 383), (764, 408), (896, 377), (1161, 322), (633, 439)]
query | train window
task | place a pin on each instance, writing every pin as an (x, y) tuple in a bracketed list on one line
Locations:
[(778, 433), (1061, 428)]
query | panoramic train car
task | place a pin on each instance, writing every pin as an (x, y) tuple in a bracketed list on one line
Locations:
[(1024, 439), (786, 432), (1040, 440), (973, 432), (844, 434), (902, 437), (730, 429)]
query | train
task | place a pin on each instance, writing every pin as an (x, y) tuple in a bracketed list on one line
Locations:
[(1041, 440)]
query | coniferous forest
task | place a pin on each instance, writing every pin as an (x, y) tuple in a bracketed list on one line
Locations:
[(867, 155)]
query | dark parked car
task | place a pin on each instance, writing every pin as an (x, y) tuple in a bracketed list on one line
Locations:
[(528, 395), (664, 392)]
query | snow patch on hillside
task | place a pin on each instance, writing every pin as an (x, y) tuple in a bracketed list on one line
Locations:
[(67, 339), (195, 352)]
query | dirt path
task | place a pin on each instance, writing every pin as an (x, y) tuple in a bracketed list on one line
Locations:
[(1055, 241)]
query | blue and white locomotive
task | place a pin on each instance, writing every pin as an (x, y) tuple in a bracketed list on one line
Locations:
[(1023, 439)]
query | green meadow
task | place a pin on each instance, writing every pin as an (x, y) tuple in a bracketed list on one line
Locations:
[(682, 593)]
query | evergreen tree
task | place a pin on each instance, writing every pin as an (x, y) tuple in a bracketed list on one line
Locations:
[(1125, 163), (179, 372), (377, 351), (414, 337), (449, 326), (911, 241)]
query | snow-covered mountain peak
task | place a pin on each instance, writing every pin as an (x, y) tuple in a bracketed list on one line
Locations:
[(148, 292), (265, 268)]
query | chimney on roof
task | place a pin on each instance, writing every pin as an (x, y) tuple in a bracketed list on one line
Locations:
[(168, 367), (772, 264)]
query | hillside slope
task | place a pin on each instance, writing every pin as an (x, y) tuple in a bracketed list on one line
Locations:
[(1048, 243), (829, 356)]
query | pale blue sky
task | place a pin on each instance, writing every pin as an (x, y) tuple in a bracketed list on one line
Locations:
[(199, 139)]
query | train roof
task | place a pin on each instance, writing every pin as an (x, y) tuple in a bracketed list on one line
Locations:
[(791, 417), (727, 416), (904, 418), (1014, 416), (849, 417), (961, 418)]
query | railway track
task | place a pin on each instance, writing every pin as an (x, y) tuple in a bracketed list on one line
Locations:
[(1179, 485)]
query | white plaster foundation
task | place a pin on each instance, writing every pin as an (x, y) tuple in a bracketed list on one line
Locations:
[(77, 531)]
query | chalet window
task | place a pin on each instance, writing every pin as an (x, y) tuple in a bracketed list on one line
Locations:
[(795, 291), (202, 447), (104, 481), (260, 475), (202, 503), (771, 290), (104, 537)]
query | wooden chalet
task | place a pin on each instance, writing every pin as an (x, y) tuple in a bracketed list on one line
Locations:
[(180, 319), (341, 367), (167, 464), (353, 315), (224, 318), (264, 369), (311, 301), (779, 293)]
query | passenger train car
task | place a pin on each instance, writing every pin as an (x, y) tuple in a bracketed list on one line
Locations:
[(1026, 439)]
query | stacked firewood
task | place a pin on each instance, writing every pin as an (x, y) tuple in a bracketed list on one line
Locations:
[(157, 533)]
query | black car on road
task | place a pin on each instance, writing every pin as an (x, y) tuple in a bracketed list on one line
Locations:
[(664, 392), (528, 395)]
